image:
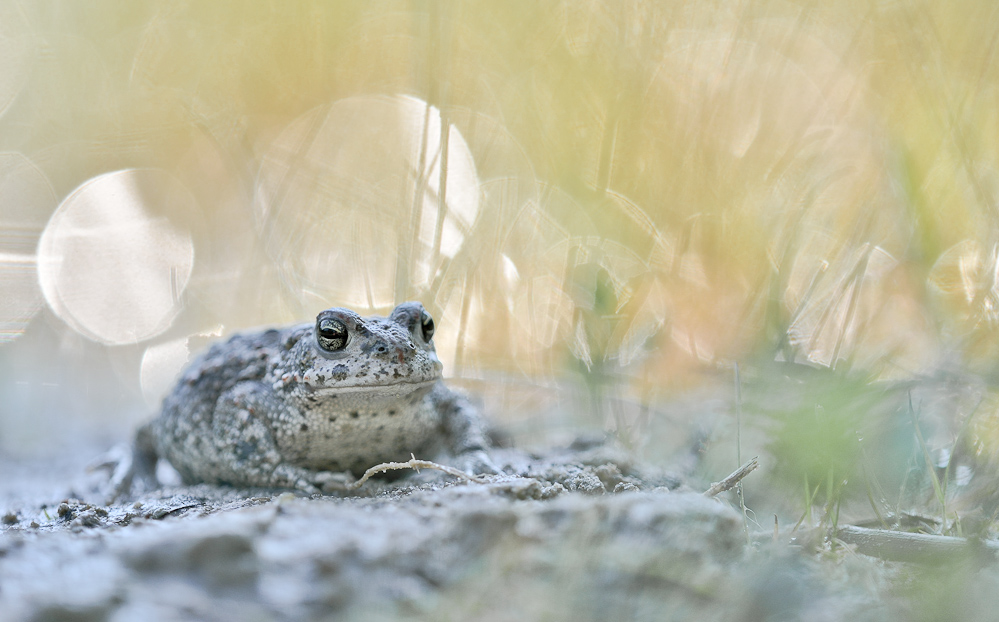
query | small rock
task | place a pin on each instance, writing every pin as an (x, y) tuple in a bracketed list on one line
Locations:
[(89, 518)]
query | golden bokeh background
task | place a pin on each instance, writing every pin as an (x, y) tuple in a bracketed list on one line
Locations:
[(627, 197)]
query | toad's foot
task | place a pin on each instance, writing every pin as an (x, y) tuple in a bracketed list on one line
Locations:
[(476, 462), (130, 472)]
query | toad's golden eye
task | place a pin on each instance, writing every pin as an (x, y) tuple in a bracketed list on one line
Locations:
[(427, 326), (331, 334)]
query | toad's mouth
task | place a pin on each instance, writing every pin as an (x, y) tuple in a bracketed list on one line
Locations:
[(393, 386)]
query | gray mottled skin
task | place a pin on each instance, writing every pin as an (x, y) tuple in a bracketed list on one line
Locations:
[(278, 408)]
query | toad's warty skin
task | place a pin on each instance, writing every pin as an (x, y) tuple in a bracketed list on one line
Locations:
[(292, 407)]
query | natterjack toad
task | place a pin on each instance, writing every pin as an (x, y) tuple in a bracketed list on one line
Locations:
[(295, 407)]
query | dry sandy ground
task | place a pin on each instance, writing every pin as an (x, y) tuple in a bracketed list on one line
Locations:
[(575, 534)]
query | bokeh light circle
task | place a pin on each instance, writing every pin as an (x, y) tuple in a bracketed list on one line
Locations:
[(111, 263), (160, 366), (351, 205), (18, 51), (25, 197)]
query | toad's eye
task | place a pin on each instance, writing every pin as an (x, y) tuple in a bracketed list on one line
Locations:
[(331, 334), (427, 326)]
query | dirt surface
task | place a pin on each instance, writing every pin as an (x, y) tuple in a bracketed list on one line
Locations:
[(581, 533)]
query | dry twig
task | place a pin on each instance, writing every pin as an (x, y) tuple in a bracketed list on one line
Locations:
[(733, 479), (901, 546), (416, 465)]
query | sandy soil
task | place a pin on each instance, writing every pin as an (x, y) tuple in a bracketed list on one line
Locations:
[(580, 533)]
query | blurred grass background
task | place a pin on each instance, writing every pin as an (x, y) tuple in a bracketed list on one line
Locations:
[(606, 205)]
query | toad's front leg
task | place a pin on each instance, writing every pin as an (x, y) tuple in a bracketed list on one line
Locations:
[(464, 431)]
